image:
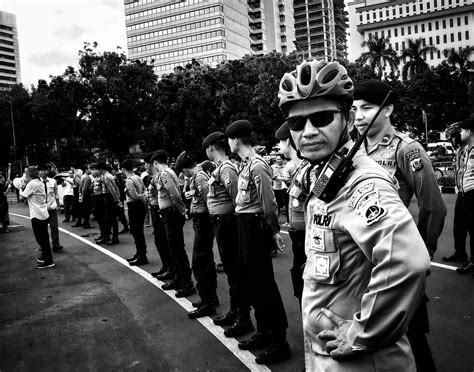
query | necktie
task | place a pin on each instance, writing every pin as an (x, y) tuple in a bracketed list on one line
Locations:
[(46, 189)]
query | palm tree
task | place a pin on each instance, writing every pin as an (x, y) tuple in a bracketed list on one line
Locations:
[(416, 52), (379, 54), (461, 59)]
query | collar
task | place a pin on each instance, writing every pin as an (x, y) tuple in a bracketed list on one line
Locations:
[(385, 140)]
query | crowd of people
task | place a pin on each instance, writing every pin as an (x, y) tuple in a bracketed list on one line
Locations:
[(360, 261)]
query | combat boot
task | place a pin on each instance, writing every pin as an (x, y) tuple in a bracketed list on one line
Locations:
[(240, 328)]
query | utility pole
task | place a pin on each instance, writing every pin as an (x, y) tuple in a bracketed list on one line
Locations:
[(10, 101), (425, 120)]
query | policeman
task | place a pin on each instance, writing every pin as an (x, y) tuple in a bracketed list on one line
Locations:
[(203, 265), (98, 201), (407, 161), (172, 210), (258, 229), (111, 200), (298, 192), (85, 197), (366, 261), (221, 205)]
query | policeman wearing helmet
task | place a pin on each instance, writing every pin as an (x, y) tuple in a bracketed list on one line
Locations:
[(366, 261)]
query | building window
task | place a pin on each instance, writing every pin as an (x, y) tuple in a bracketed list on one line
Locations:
[(376, 34), (451, 22), (395, 32), (423, 42), (459, 21), (389, 33), (450, 2), (439, 54), (422, 27), (401, 10), (380, 14), (435, 3), (421, 6), (445, 39), (437, 25), (466, 20), (444, 23), (414, 8), (360, 18), (387, 13), (442, 3), (396, 47), (402, 31), (394, 12), (409, 30), (452, 38), (403, 45), (416, 29), (368, 16), (407, 9), (431, 55), (383, 34), (437, 40), (431, 40), (429, 26), (467, 35), (428, 6)]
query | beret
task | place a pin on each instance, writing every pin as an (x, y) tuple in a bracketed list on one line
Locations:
[(147, 157), (128, 164), (239, 129), (213, 138), (374, 91), (208, 166), (467, 123), (283, 132), (160, 156), (184, 161)]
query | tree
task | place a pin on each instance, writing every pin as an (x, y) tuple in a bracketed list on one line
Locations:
[(460, 60), (416, 53), (379, 54)]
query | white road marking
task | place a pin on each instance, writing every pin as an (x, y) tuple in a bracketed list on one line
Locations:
[(246, 357), (14, 225)]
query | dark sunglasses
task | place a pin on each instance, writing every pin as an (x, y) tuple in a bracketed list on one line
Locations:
[(318, 119)]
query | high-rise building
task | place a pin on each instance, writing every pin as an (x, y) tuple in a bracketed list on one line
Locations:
[(320, 28), (10, 72), (445, 24), (171, 33)]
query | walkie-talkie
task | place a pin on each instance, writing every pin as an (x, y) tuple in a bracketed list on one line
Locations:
[(339, 165)]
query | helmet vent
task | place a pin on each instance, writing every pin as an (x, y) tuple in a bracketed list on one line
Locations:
[(330, 76), (305, 77)]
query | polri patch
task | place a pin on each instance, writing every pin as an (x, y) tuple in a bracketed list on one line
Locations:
[(317, 242), (369, 208), (363, 189), (416, 164), (412, 153)]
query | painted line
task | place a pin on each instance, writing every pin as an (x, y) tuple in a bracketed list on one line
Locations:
[(14, 225), (246, 357)]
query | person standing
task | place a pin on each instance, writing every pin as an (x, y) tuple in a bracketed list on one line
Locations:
[(203, 265), (52, 200), (120, 178), (68, 199), (111, 201), (4, 190), (277, 170), (172, 210), (258, 229), (135, 194), (34, 191), (407, 161), (99, 202)]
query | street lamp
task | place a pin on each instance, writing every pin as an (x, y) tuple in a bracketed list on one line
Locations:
[(10, 101)]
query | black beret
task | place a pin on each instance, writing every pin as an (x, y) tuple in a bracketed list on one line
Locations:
[(239, 129), (467, 123), (128, 164), (208, 166), (147, 157), (213, 138), (283, 132), (161, 156), (374, 91), (184, 161)]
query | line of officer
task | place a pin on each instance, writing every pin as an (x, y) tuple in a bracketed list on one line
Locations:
[(258, 229), (366, 261), (172, 209), (406, 160), (98, 201), (221, 204), (203, 265)]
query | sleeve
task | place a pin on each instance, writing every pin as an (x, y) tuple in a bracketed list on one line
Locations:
[(419, 174), (113, 189), (382, 227), (229, 178), (287, 172), (55, 187), (202, 186), (132, 189), (262, 177), (29, 188), (172, 188)]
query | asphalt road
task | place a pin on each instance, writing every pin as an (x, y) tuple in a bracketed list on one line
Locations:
[(92, 312)]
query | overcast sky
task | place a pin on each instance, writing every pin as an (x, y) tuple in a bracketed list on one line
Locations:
[(51, 32)]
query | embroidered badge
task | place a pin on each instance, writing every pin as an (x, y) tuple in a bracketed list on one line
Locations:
[(370, 209), (295, 203), (363, 189), (320, 207), (388, 152), (416, 164), (317, 242), (412, 153), (321, 265)]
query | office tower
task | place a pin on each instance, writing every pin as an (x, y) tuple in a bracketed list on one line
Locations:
[(10, 72)]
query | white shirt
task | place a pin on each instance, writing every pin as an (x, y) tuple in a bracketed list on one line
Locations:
[(36, 195), (52, 194), (68, 190)]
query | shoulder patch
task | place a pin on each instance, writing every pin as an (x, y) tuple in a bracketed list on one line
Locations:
[(412, 153), (369, 208), (364, 188), (256, 177), (416, 163)]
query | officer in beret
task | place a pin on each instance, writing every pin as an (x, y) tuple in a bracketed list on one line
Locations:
[(172, 210), (466, 188), (366, 261), (203, 265), (221, 205), (407, 161), (258, 229)]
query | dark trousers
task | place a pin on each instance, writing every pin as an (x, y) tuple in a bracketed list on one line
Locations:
[(110, 220), (279, 199), (40, 229), (53, 225), (227, 237), (159, 235), (416, 334), (136, 215), (121, 216), (463, 223), (203, 265), (99, 212), (76, 207), (86, 209), (68, 201), (257, 277), (174, 223), (299, 259)]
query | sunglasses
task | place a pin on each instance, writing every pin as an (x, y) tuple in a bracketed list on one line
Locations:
[(318, 119)]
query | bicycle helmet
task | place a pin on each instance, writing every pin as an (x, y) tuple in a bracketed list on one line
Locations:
[(315, 79)]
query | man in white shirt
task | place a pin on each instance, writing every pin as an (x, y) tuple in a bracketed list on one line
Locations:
[(35, 193), (68, 199), (52, 200)]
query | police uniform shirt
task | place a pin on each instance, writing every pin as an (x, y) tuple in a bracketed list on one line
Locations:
[(298, 192), (98, 185), (467, 180), (110, 187), (169, 193), (52, 193), (134, 188), (36, 195), (153, 190), (255, 193), (366, 262), (222, 188), (199, 184), (405, 158)]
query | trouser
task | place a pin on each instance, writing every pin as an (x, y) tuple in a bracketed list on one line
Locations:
[(299, 259), (76, 206), (40, 230), (68, 200), (136, 215), (461, 224), (121, 216), (110, 220), (279, 199), (417, 329), (174, 223), (99, 212), (86, 209), (203, 265), (257, 277), (159, 235), (53, 225), (227, 237)]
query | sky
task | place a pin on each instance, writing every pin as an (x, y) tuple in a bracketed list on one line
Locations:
[(51, 32)]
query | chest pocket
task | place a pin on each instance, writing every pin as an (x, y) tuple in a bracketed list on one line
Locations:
[(298, 199), (243, 196)]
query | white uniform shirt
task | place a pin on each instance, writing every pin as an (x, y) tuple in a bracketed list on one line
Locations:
[(52, 194), (36, 195)]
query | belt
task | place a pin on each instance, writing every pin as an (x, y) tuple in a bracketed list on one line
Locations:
[(168, 209), (222, 217), (249, 216)]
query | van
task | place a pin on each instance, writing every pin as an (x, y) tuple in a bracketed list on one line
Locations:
[(434, 148)]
